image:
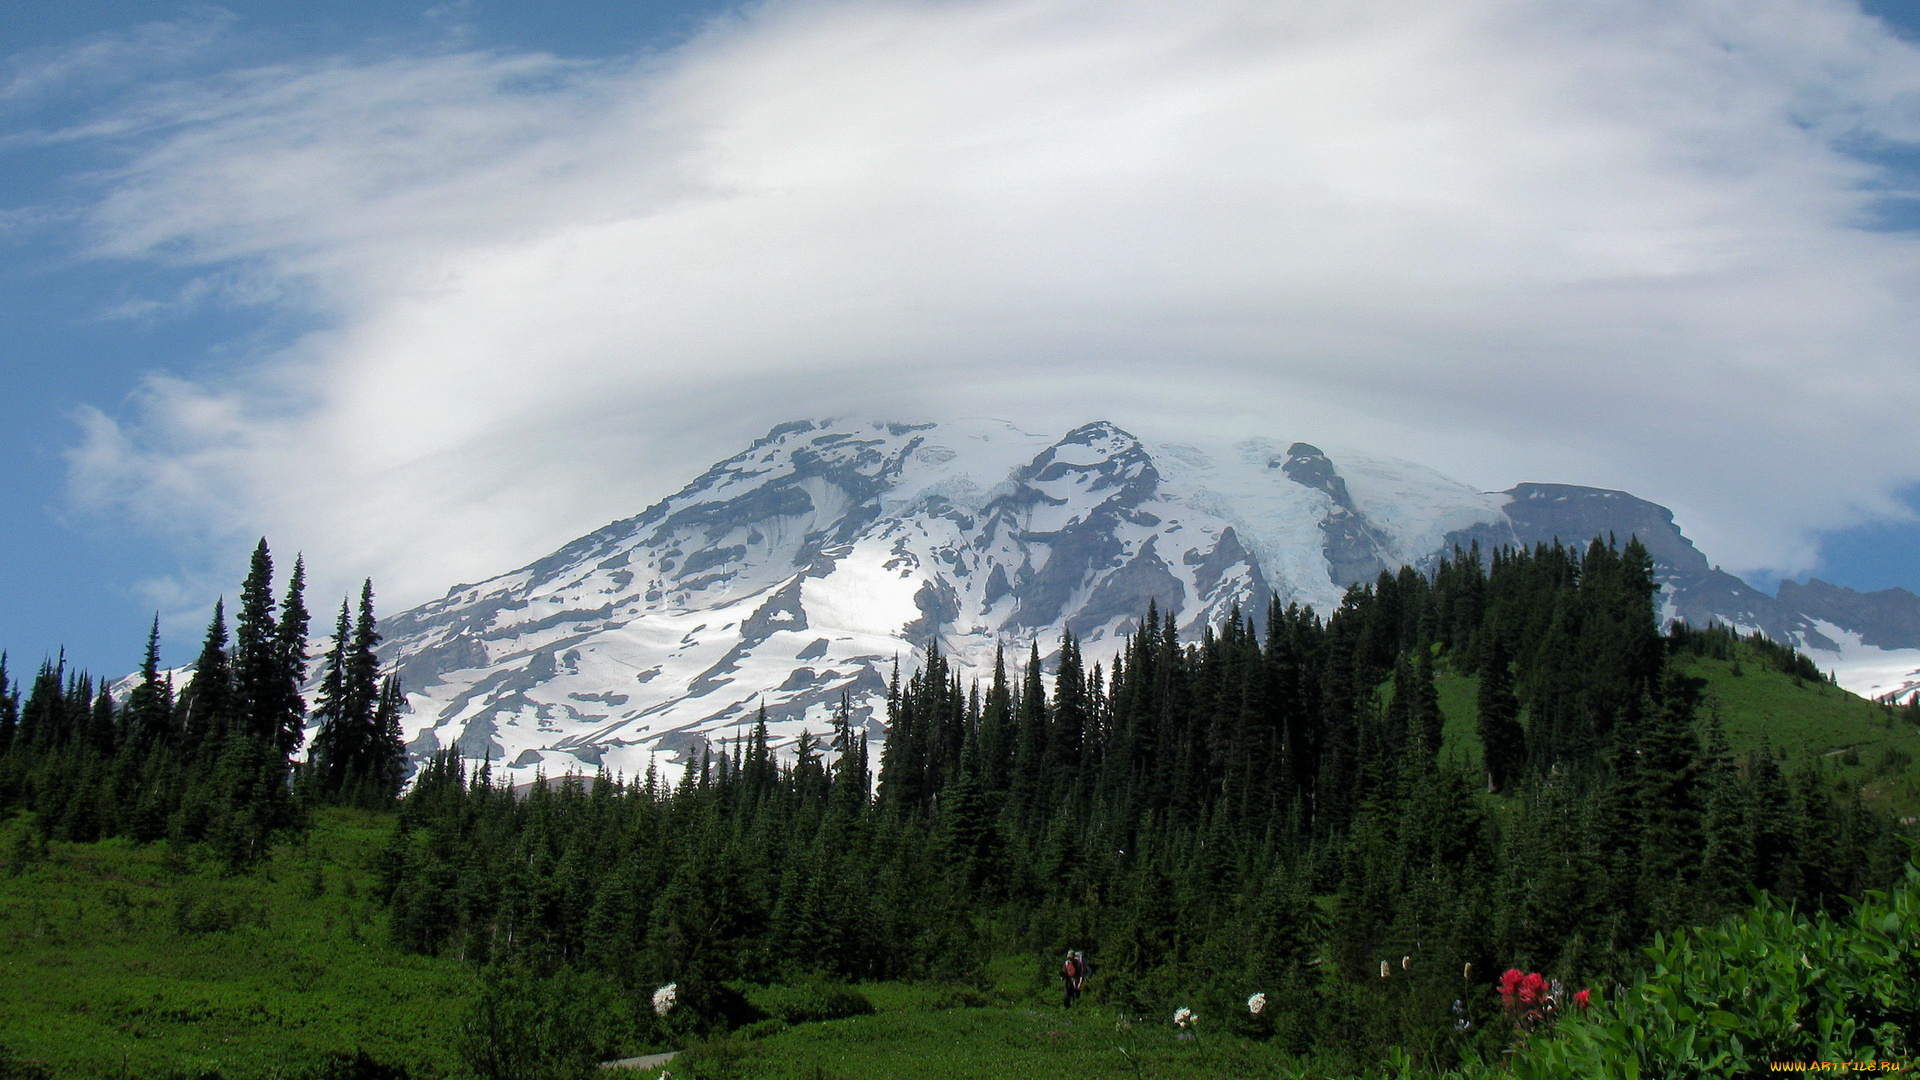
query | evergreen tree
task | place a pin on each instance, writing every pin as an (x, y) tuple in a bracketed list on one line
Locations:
[(207, 705), (290, 650), (1670, 769), (256, 663), (1726, 858), (148, 716), (387, 756), (1502, 740), (335, 744), (9, 709)]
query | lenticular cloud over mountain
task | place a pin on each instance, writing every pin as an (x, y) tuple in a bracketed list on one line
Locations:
[(1628, 246), (795, 578)]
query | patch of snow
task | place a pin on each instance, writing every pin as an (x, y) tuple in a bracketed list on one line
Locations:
[(1868, 670)]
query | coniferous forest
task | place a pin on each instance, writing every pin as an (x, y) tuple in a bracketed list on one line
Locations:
[(211, 760), (1264, 811), (1277, 812)]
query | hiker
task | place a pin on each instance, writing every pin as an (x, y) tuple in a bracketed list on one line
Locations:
[(1074, 974)]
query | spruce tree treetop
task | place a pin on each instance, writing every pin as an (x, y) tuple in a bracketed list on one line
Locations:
[(208, 703), (255, 660), (290, 653)]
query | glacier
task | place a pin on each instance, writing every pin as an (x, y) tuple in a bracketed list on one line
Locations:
[(805, 570)]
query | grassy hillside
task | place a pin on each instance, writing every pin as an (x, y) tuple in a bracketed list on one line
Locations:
[(1011, 1024), (117, 960), (1801, 719)]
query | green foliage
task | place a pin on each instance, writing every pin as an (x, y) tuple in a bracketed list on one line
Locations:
[(208, 764), (524, 1026), (907, 1040), (1363, 817), (157, 959), (813, 1000), (1770, 985), (358, 757), (1285, 813)]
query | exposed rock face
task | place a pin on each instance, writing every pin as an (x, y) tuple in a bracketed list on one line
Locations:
[(1693, 589), (1888, 619), (795, 574), (1354, 550)]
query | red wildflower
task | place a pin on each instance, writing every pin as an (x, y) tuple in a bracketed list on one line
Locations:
[(1532, 989), (1580, 998), (1527, 997)]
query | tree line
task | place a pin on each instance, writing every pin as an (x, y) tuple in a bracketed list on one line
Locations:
[(1265, 810), (213, 760)]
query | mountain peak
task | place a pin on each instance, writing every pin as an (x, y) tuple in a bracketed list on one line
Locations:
[(793, 574)]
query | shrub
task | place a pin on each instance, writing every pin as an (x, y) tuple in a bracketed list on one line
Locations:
[(1766, 986), (526, 1027), (706, 1008), (815, 1000)]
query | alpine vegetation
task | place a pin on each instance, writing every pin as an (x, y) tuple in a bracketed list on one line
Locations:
[(214, 758)]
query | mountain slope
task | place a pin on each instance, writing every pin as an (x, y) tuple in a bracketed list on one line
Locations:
[(798, 572)]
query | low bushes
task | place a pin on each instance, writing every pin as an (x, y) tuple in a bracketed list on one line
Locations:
[(1766, 986)]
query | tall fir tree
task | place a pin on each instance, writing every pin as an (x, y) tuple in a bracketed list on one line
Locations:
[(207, 705), (148, 716), (1502, 740), (335, 744), (289, 709), (9, 708), (256, 665)]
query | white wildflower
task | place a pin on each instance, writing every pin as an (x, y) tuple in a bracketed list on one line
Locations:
[(1257, 1004), (1406, 963), (1183, 1016), (664, 998), (1384, 968)]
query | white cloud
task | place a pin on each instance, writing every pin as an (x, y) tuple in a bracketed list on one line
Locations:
[(105, 60), (1608, 243)]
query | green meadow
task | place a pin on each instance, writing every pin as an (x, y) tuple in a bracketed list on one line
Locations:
[(149, 961), (1801, 720), (120, 960)]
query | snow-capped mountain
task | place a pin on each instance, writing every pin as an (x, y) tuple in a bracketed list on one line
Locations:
[(801, 569)]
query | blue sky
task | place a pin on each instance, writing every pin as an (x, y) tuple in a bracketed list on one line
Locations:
[(426, 291)]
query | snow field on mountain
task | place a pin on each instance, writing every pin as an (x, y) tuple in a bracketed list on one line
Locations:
[(870, 592), (808, 565), (1867, 670)]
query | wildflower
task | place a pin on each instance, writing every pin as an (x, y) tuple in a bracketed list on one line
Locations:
[(1257, 1004), (1527, 997), (1383, 969), (664, 998), (1580, 999), (1532, 988), (1183, 1017), (1406, 963), (1466, 973)]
